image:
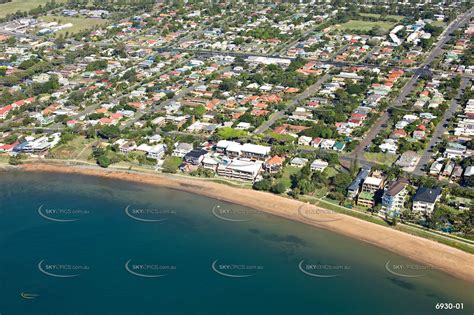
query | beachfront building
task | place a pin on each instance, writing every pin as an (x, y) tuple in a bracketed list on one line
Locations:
[(274, 164), (372, 184), (195, 156), (127, 147), (354, 187), (366, 199), (222, 145), (247, 150), (394, 197), (239, 169), (256, 152), (39, 145), (425, 199), (210, 163), (233, 149), (182, 149), (156, 152)]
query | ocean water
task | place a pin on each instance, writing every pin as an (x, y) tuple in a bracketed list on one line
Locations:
[(72, 244)]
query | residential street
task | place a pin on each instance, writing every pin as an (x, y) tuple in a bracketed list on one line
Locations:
[(439, 131), (410, 85), (294, 102)]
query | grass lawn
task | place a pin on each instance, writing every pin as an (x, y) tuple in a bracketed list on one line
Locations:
[(231, 183), (330, 171), (4, 158), (78, 148), (287, 172), (21, 5), (395, 17), (438, 23), (320, 193), (79, 23), (171, 164), (228, 132), (381, 158), (365, 26)]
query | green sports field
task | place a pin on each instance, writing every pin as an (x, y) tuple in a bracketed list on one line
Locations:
[(79, 23), (21, 5), (365, 26), (395, 17)]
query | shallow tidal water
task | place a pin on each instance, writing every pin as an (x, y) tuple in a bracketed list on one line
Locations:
[(73, 244)]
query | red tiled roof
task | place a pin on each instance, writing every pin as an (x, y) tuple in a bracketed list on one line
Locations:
[(6, 109), (276, 160)]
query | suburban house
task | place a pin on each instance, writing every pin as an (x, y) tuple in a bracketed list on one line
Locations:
[(436, 167), (455, 150), (157, 152), (425, 199), (127, 147), (4, 111), (182, 149), (195, 156), (319, 165), (304, 140), (408, 160), (274, 164), (298, 162)]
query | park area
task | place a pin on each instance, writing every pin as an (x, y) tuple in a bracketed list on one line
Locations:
[(78, 148), (22, 5), (78, 23), (365, 26), (383, 17)]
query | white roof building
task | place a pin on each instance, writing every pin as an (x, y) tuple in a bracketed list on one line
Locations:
[(319, 165), (255, 149), (247, 170), (469, 171), (234, 147)]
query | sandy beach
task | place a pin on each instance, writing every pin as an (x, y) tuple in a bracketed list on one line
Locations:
[(439, 256)]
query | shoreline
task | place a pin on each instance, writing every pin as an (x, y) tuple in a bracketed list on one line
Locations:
[(442, 257)]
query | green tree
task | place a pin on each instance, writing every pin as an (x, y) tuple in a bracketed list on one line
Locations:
[(264, 184), (103, 161), (278, 188), (341, 181)]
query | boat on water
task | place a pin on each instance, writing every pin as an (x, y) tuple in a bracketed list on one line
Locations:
[(29, 296)]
